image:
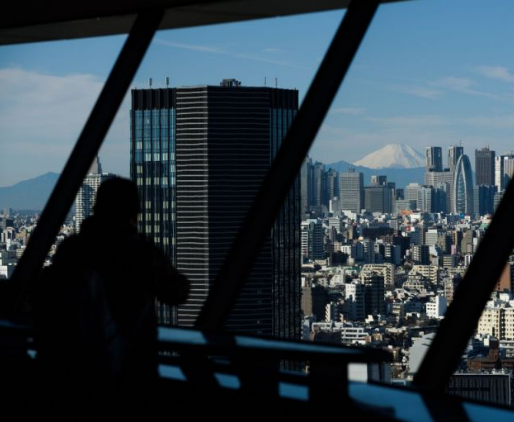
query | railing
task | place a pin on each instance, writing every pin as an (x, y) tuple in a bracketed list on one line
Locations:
[(233, 372)]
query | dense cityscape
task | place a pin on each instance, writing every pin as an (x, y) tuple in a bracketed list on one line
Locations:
[(347, 262), (381, 263)]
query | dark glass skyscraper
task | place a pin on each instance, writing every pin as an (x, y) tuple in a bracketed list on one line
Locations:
[(454, 152), (484, 166), (199, 155), (434, 159)]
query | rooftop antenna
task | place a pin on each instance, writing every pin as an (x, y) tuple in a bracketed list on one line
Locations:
[(150, 82), (276, 83), (265, 81), (167, 80)]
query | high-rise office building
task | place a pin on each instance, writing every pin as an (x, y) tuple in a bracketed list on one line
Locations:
[(306, 185), (442, 180), (463, 186), (352, 191), (440, 197), (374, 294), (312, 239), (378, 180), (377, 199), (411, 193), (332, 184), (434, 159), (425, 194), (484, 166), (421, 194), (421, 254), (199, 155), (503, 170), (454, 152), (86, 195), (483, 196), (319, 179)]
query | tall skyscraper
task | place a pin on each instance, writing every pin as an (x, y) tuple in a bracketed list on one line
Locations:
[(319, 184), (352, 191), (435, 174), (441, 180), (306, 185), (198, 156), (463, 186), (377, 199), (332, 184), (411, 193), (483, 196), (484, 166), (86, 195), (454, 152), (503, 170), (312, 239), (378, 180), (434, 159), (374, 294)]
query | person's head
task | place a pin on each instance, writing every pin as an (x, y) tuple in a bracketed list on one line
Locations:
[(117, 200)]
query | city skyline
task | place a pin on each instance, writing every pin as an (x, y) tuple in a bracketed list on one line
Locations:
[(426, 90)]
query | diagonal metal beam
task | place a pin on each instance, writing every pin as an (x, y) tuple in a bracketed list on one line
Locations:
[(84, 152), (474, 291), (287, 164)]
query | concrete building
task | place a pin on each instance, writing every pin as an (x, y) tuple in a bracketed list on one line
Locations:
[(312, 235), (429, 272), (86, 196), (352, 191), (354, 303), (387, 271), (437, 307)]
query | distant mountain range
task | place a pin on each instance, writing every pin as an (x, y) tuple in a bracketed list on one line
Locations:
[(393, 156), (400, 163), (402, 177), (30, 194)]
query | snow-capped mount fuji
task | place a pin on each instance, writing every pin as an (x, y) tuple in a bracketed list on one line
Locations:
[(398, 156)]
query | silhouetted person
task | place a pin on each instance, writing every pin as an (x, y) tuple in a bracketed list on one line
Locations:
[(108, 253)]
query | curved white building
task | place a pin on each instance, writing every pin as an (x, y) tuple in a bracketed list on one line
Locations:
[(462, 201)]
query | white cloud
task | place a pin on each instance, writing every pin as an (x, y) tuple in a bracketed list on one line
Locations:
[(464, 86), (41, 117), (418, 91), (217, 50), (500, 73), (192, 47)]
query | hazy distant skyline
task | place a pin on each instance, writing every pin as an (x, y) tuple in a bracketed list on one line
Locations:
[(429, 72)]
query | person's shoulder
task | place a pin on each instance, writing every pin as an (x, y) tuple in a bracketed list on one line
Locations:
[(68, 248)]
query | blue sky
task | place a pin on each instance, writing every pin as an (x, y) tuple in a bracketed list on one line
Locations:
[(429, 72)]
